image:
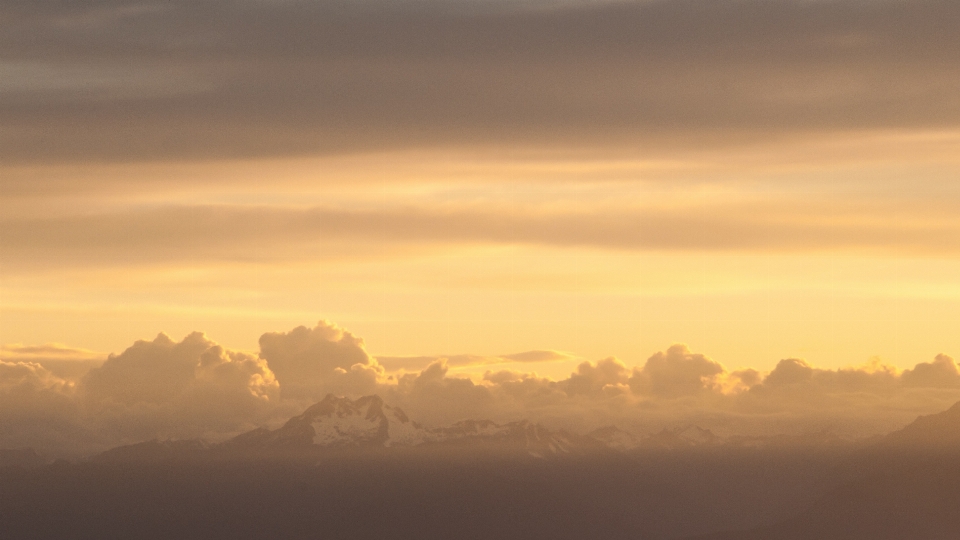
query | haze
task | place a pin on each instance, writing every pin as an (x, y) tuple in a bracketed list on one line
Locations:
[(639, 217)]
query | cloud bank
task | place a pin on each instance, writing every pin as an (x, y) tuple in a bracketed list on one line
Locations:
[(123, 80), (198, 388)]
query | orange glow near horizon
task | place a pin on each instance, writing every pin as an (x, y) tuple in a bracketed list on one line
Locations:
[(435, 253)]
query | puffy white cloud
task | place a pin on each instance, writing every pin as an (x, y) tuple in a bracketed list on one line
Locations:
[(311, 362), (503, 376), (29, 393), (675, 373), (527, 390), (790, 371), (435, 398), (23, 378), (608, 376), (197, 388), (177, 389), (795, 377), (941, 373), (149, 371), (37, 408)]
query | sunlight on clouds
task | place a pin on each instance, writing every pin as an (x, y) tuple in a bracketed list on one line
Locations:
[(196, 387), (607, 192), (832, 309)]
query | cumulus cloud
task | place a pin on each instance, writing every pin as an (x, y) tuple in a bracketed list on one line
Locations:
[(24, 380), (796, 375), (941, 373), (37, 408), (676, 372), (436, 398), (608, 376), (527, 388), (740, 380), (310, 362), (148, 372), (197, 388), (185, 388)]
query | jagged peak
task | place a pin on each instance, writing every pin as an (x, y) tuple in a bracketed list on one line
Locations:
[(332, 403)]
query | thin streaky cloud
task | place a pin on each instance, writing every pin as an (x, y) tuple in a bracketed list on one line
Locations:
[(264, 233)]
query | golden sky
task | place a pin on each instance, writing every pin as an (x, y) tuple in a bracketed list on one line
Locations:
[(757, 180)]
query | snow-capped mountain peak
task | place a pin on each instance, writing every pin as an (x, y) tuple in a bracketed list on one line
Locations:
[(369, 422), (615, 438), (366, 421)]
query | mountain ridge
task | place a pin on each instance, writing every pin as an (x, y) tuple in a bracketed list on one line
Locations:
[(337, 424)]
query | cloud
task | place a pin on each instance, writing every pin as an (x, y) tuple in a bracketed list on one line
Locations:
[(941, 373), (61, 360), (37, 408), (310, 362), (29, 378), (436, 398), (790, 371), (235, 78), (394, 363), (50, 351), (503, 376), (530, 391), (197, 388), (676, 373), (155, 371), (794, 374), (177, 389), (417, 363), (218, 233), (608, 376), (538, 356)]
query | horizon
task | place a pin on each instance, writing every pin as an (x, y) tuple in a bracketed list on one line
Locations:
[(517, 188), (739, 215), (756, 180), (196, 388)]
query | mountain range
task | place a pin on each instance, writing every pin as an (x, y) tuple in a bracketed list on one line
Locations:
[(370, 471), (338, 424), (368, 423), (904, 486)]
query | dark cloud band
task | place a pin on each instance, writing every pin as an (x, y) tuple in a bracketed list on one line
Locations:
[(173, 80)]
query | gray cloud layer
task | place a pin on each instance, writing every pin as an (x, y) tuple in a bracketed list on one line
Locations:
[(132, 80)]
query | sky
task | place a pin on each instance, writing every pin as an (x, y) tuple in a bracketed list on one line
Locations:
[(758, 180)]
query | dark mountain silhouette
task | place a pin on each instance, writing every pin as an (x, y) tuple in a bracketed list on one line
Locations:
[(939, 431), (22, 457), (905, 486), (363, 469), (152, 451)]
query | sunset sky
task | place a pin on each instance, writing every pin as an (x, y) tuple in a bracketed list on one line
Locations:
[(758, 180)]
